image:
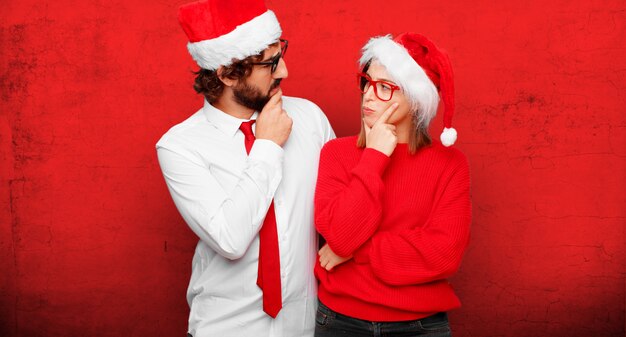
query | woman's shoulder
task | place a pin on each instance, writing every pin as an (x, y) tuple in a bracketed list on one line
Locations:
[(341, 149), (342, 144), (449, 154)]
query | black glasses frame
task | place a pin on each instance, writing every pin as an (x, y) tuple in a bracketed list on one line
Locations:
[(274, 60)]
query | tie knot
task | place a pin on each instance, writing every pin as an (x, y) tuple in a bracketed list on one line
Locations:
[(246, 128)]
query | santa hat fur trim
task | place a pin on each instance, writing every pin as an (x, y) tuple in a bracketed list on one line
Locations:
[(247, 39)]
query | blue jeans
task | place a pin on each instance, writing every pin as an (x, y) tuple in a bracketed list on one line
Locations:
[(329, 323)]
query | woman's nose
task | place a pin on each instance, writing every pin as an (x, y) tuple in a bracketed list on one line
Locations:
[(369, 93)]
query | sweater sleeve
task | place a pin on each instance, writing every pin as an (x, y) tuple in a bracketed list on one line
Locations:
[(348, 205), (429, 252)]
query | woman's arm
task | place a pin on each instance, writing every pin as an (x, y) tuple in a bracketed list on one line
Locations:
[(348, 205), (429, 252)]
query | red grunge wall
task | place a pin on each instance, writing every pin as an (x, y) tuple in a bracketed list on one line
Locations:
[(90, 241)]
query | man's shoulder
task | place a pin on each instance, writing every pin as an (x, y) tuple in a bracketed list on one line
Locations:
[(305, 112), (182, 130), (297, 104), (297, 101)]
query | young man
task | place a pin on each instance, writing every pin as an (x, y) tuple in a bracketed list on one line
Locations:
[(242, 173)]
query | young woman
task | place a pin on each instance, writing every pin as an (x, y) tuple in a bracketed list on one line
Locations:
[(393, 206)]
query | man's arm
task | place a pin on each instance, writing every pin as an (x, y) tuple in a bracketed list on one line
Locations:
[(226, 221)]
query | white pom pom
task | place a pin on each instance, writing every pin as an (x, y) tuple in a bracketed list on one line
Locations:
[(448, 136)]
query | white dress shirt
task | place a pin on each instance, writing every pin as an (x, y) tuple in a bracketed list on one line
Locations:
[(223, 194)]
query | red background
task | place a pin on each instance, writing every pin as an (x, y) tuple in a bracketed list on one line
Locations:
[(90, 241)]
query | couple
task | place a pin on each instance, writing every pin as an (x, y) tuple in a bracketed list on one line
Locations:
[(392, 207)]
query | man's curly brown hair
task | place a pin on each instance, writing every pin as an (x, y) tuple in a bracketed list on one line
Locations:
[(208, 83)]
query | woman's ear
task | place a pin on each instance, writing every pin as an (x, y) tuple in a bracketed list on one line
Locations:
[(229, 82)]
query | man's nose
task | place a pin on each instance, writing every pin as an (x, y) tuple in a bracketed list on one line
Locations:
[(281, 70)]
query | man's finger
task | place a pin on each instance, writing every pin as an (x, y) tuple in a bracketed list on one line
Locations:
[(276, 98), (385, 116)]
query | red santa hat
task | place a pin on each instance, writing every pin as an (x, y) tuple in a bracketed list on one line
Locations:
[(421, 70), (221, 31)]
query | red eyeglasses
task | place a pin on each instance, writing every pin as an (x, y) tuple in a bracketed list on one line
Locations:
[(382, 89)]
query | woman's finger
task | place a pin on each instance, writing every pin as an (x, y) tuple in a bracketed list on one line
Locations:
[(385, 116)]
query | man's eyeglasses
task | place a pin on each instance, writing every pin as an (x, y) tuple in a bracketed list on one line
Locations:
[(274, 60), (382, 89)]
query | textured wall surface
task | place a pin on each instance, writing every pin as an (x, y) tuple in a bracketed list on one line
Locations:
[(90, 241)]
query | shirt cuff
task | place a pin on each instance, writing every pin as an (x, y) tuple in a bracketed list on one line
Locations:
[(266, 151), (374, 161)]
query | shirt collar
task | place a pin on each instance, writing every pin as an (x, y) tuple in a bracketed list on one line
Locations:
[(223, 121)]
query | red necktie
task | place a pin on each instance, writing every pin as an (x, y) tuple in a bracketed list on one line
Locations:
[(268, 278)]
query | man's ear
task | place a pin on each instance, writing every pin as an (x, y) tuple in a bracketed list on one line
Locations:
[(229, 82)]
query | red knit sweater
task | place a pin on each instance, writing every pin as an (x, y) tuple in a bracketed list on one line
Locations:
[(405, 219)]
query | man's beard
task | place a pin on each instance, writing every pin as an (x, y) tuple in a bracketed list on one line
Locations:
[(251, 97)]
